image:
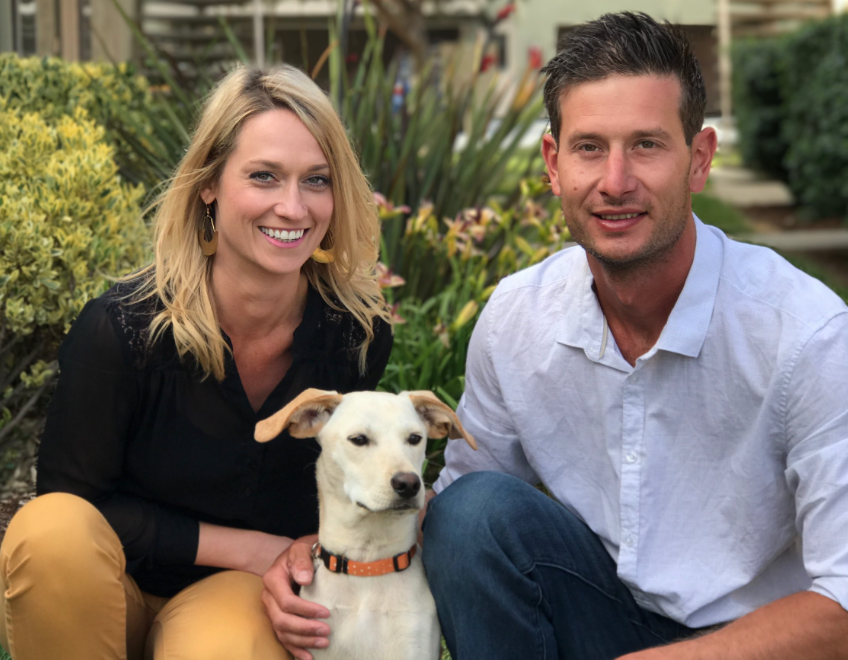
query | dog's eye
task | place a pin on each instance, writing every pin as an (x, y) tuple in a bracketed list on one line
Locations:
[(414, 439), (359, 440)]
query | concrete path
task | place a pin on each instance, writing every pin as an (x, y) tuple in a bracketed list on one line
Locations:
[(740, 187), (743, 188), (802, 240)]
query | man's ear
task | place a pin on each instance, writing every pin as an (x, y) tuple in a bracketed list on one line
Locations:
[(438, 417), (703, 148), (550, 151), (304, 417)]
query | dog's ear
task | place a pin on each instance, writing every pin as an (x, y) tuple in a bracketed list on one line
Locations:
[(438, 417), (304, 417)]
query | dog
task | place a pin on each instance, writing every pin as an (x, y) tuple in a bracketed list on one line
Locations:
[(369, 574)]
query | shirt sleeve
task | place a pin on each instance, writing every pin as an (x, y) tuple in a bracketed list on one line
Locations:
[(817, 461), (89, 422), (483, 412), (378, 356)]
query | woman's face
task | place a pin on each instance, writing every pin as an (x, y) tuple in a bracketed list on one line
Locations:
[(274, 197)]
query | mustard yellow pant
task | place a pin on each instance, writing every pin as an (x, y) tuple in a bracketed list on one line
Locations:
[(66, 596)]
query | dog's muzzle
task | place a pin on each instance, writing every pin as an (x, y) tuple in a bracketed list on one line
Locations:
[(406, 484)]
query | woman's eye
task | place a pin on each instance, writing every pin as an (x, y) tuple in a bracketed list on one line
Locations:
[(414, 439), (263, 177), (359, 440), (318, 181)]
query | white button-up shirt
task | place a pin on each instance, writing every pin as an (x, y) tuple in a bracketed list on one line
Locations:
[(715, 470)]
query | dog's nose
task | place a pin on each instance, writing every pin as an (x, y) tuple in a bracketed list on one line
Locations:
[(406, 484)]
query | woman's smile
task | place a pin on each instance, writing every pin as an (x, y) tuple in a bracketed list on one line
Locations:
[(283, 237)]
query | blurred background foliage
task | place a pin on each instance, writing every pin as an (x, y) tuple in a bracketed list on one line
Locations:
[(67, 222), (791, 106), (460, 191)]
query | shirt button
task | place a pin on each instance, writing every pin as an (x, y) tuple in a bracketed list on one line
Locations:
[(630, 457), (627, 540)]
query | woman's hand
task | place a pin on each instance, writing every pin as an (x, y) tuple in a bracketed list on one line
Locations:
[(294, 618)]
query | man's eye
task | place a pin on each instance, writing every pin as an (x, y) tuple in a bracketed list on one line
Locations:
[(359, 440), (647, 144), (588, 148), (264, 177)]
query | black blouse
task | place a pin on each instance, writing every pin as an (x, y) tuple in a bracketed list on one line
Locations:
[(138, 432)]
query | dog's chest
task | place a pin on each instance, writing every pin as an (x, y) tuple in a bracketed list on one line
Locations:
[(389, 617)]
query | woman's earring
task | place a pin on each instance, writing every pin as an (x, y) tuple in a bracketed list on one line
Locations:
[(208, 245), (323, 256)]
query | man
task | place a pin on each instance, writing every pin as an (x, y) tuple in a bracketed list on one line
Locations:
[(683, 397)]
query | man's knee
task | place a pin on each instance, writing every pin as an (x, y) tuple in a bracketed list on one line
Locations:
[(478, 508)]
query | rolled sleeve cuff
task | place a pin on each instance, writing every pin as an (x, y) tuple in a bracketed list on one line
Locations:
[(835, 588), (177, 538)]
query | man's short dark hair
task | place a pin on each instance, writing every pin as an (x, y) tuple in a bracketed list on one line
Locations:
[(630, 44)]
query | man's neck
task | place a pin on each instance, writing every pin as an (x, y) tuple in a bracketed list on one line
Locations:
[(637, 301)]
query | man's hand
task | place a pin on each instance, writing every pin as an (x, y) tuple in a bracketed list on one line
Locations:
[(294, 618)]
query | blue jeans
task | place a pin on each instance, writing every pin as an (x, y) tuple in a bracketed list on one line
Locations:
[(517, 576)]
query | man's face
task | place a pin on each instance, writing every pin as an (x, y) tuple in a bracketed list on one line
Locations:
[(623, 169)]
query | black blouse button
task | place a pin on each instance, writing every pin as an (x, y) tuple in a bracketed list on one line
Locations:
[(248, 491)]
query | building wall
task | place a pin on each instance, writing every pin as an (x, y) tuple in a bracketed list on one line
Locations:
[(538, 24)]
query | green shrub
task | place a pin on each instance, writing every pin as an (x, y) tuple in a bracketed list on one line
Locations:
[(112, 96), (791, 103), (816, 122), (759, 105), (67, 222)]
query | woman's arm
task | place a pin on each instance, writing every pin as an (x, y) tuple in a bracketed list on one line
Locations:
[(239, 549), (82, 451)]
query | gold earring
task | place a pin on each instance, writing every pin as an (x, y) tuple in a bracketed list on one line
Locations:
[(323, 256), (208, 245)]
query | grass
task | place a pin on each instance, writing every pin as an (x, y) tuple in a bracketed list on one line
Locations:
[(715, 212)]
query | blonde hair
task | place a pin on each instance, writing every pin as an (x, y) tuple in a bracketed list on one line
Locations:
[(180, 275)]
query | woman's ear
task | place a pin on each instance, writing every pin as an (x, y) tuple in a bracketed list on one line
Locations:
[(207, 195)]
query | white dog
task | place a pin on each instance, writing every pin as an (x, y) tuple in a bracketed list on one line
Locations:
[(369, 489)]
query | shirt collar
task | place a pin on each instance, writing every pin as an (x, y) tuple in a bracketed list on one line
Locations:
[(583, 325)]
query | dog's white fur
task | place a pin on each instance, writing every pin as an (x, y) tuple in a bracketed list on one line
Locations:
[(388, 617)]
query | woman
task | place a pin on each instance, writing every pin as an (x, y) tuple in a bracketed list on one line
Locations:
[(149, 479)]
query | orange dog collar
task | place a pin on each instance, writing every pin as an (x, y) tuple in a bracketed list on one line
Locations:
[(340, 564)]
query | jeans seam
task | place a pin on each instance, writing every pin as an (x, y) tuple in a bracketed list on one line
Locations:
[(599, 590), (539, 620)]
